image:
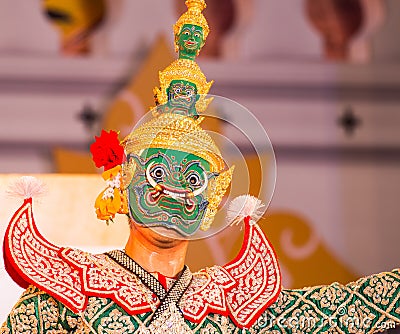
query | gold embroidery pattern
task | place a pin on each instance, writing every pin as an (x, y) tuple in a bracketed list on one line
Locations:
[(243, 288), (381, 289), (112, 319), (356, 314), (104, 278), (49, 313), (368, 305), (208, 287), (224, 324), (77, 324), (116, 323), (36, 312), (352, 307), (4, 329), (94, 306), (23, 319)]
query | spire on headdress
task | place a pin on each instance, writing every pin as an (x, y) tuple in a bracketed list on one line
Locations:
[(188, 41)]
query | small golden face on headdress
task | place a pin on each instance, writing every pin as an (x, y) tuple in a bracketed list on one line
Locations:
[(183, 70)]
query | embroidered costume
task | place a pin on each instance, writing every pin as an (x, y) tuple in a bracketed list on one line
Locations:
[(170, 176), (74, 291)]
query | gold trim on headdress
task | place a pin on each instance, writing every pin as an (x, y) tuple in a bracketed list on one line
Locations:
[(193, 16), (183, 69), (175, 132)]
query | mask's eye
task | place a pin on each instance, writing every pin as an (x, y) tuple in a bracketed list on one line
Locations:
[(177, 90), (158, 172), (187, 33), (194, 180), (197, 35), (189, 91)]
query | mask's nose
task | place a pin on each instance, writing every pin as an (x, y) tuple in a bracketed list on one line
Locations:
[(177, 180)]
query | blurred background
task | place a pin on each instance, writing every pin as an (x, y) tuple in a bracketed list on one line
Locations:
[(322, 77)]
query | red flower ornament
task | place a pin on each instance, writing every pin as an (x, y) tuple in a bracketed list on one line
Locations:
[(107, 151)]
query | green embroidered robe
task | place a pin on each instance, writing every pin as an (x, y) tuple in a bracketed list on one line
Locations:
[(368, 305)]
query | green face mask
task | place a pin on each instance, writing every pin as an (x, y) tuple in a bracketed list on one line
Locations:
[(169, 189), (190, 40)]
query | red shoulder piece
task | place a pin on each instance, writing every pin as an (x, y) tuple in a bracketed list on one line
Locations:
[(102, 277), (207, 294), (242, 289), (258, 276), (31, 259), (68, 275)]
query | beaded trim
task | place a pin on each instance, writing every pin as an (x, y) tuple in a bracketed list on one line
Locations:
[(147, 279), (167, 298)]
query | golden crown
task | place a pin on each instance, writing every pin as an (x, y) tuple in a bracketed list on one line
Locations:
[(175, 132), (193, 16)]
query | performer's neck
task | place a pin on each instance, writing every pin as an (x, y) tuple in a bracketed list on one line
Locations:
[(156, 253)]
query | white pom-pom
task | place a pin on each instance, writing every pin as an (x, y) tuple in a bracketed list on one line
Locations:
[(26, 187), (245, 206)]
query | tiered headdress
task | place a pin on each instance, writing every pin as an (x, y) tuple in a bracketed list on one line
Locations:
[(169, 130)]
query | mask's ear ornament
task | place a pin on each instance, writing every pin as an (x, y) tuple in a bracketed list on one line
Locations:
[(216, 192)]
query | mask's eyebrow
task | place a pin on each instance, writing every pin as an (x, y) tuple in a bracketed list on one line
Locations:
[(162, 158), (192, 163), (186, 29), (142, 161)]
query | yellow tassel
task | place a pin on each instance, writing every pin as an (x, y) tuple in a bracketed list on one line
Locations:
[(106, 208), (108, 174)]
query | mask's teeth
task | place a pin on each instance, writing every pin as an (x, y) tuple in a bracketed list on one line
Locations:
[(172, 194), (155, 194)]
